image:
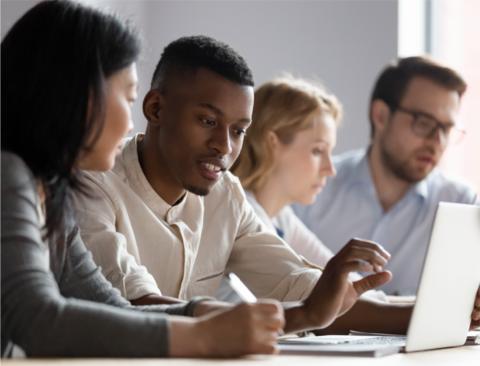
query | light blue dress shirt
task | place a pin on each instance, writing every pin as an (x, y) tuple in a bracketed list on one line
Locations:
[(349, 207)]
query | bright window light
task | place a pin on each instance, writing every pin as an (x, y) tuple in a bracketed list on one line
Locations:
[(411, 27)]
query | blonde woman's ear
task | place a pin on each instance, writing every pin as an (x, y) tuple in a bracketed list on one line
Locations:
[(273, 139)]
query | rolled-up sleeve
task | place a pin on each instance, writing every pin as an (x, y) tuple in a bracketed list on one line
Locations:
[(111, 249), (267, 265)]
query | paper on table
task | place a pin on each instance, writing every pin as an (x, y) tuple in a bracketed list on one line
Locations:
[(327, 339), (473, 337)]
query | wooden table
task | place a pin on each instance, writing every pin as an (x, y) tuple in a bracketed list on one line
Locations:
[(466, 355)]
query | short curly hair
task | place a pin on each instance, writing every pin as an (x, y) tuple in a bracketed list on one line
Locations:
[(194, 52)]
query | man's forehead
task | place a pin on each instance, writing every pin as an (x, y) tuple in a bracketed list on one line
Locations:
[(190, 77), (207, 87), (424, 95)]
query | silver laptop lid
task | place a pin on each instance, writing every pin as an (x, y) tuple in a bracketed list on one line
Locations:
[(450, 279)]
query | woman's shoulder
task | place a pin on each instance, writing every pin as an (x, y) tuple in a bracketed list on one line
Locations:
[(15, 172), (287, 221), (11, 159), (287, 214)]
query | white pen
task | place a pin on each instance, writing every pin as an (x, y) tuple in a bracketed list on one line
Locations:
[(242, 291)]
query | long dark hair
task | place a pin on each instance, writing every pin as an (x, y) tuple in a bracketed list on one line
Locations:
[(55, 61)]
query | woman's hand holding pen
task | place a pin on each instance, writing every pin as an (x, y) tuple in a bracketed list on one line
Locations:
[(244, 329)]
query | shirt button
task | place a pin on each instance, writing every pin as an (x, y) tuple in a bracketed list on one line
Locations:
[(115, 277)]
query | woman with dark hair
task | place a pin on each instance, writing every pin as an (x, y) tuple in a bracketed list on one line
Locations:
[(68, 82)]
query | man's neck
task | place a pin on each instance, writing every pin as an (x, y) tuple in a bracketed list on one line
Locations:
[(390, 189), (271, 198), (155, 170)]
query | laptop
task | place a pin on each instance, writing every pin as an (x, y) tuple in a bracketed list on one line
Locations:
[(441, 314)]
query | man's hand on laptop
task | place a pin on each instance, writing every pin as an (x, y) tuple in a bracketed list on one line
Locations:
[(334, 292), (476, 312)]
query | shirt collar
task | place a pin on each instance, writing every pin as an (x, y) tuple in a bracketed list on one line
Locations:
[(421, 188), (361, 174), (260, 211), (142, 187)]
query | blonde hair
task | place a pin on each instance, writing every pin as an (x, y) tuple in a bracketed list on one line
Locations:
[(286, 106)]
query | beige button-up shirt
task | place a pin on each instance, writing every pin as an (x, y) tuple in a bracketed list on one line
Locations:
[(145, 246)]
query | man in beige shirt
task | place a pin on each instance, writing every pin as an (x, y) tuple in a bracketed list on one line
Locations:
[(188, 246), (170, 220)]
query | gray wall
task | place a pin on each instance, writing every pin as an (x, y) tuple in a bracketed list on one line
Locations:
[(343, 43), (12, 10)]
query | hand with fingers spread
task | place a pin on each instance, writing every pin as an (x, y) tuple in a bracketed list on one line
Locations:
[(334, 292), (241, 330)]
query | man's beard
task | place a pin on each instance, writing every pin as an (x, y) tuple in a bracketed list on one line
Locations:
[(398, 167), (199, 191)]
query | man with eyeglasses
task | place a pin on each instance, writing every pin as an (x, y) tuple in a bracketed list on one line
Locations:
[(389, 191)]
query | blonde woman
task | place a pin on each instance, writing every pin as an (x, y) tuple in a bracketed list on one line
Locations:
[(286, 158)]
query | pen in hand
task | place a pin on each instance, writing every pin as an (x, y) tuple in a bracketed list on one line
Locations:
[(242, 291)]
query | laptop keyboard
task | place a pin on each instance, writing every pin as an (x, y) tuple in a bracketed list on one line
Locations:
[(393, 341)]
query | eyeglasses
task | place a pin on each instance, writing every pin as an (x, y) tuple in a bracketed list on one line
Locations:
[(425, 126)]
